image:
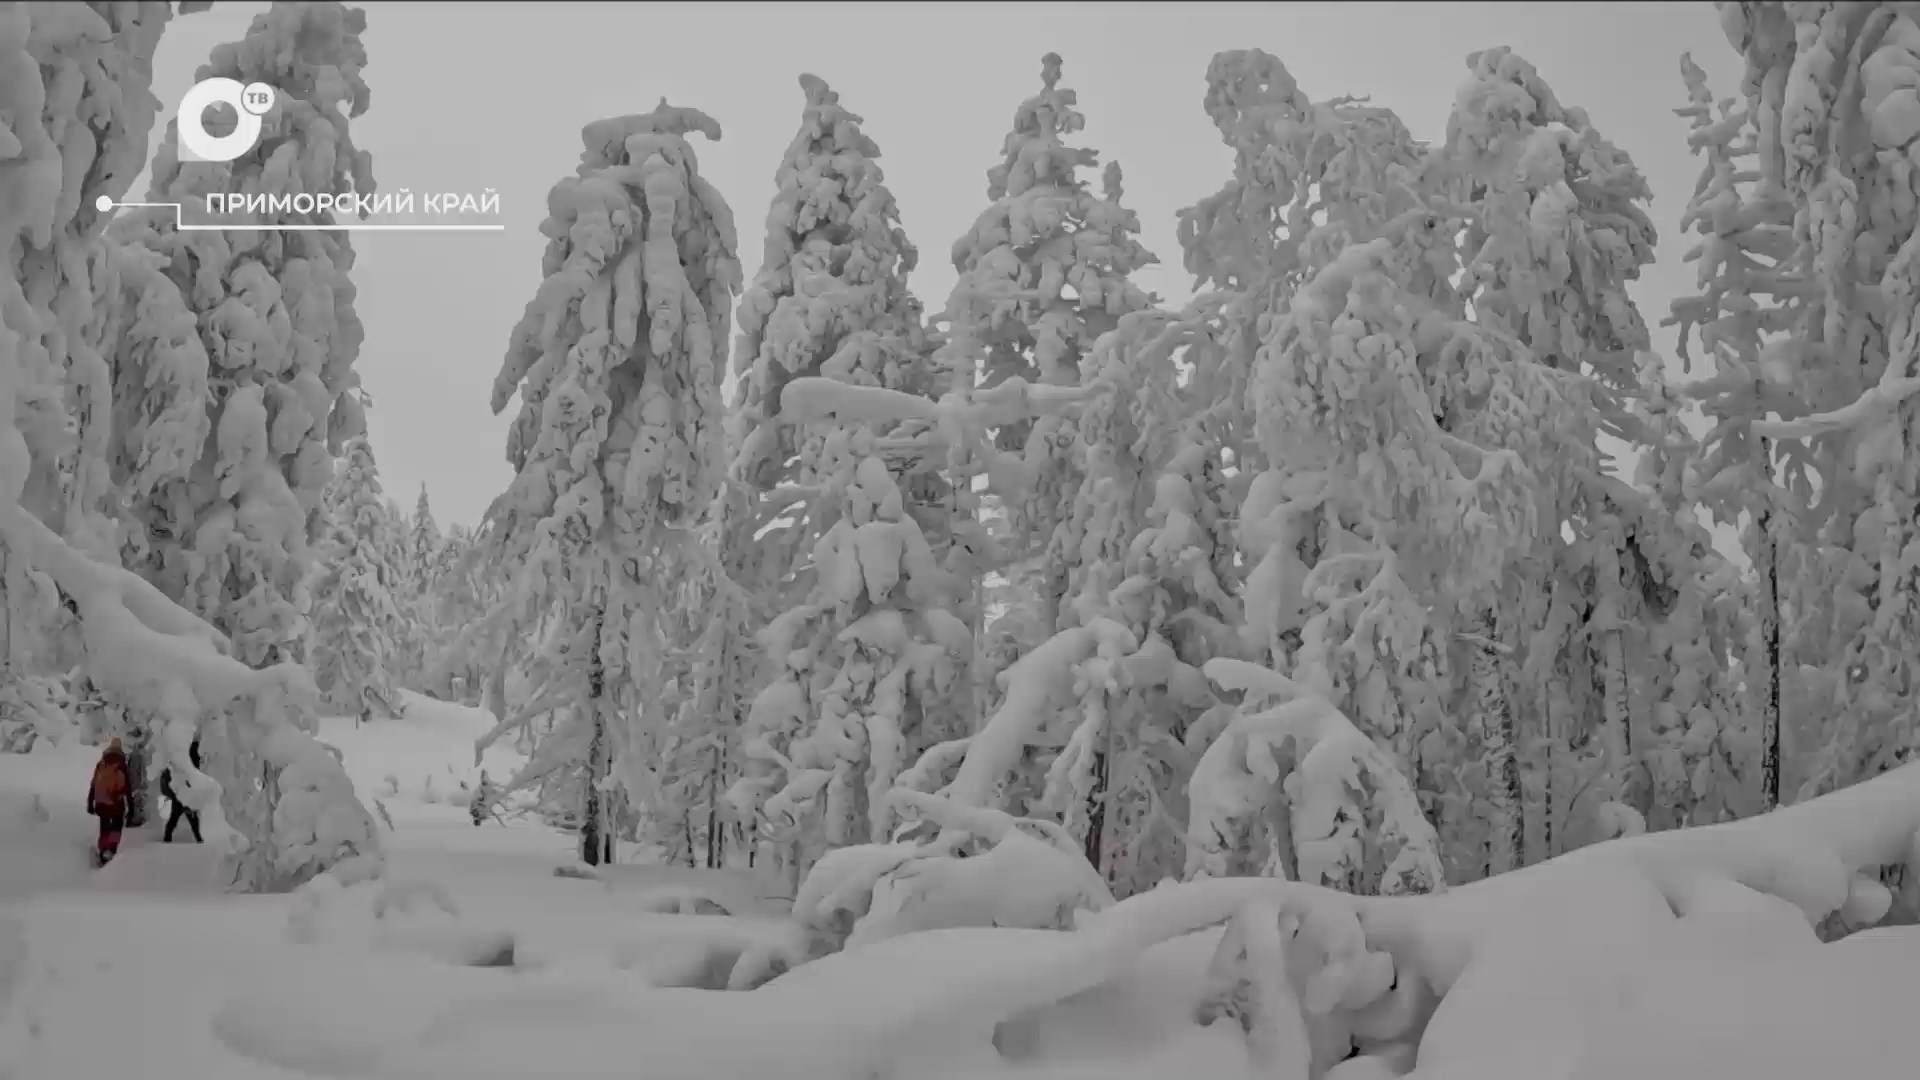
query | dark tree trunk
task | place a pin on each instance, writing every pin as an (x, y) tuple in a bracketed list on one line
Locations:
[(594, 841), (716, 840), (1769, 565), (1770, 642), (1097, 810)]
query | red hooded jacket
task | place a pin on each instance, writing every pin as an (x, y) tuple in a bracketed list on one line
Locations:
[(111, 784)]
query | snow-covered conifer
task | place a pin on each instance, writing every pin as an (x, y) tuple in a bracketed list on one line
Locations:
[(1321, 193), (82, 111), (1808, 285), (359, 626), (463, 637), (423, 544), (1044, 271), (618, 443), (1556, 233), (233, 541), (1147, 546), (861, 661)]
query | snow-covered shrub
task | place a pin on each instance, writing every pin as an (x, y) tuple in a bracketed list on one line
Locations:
[(319, 824), (983, 868), (32, 709)]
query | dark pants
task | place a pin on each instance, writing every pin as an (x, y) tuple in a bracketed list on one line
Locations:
[(111, 823), (173, 821)]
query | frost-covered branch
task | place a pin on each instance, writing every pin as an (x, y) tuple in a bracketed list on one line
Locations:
[(1334, 764)]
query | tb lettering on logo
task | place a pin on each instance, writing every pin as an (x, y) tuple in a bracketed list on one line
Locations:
[(249, 103)]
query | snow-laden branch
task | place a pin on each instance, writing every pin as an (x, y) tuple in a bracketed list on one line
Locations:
[(1035, 682), (1877, 402), (1335, 764), (142, 648), (1897, 380)]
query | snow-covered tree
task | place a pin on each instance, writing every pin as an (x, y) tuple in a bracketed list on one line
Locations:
[(1148, 546), (423, 544), (233, 539), (1044, 271), (1322, 193), (80, 302), (463, 640), (359, 627), (617, 445), (862, 659), (1807, 271), (80, 409)]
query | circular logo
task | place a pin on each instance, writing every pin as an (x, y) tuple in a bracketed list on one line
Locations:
[(249, 103)]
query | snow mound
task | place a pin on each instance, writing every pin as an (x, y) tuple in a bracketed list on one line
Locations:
[(679, 900), (404, 916), (309, 1025), (711, 952)]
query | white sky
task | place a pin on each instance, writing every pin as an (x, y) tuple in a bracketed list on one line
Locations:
[(472, 96)]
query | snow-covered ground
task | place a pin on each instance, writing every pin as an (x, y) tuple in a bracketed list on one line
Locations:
[(186, 980), (476, 960), (420, 769)]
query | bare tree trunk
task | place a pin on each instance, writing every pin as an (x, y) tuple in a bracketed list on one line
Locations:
[(1506, 832), (593, 838)]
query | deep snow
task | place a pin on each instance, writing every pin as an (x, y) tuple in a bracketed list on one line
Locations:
[(476, 960)]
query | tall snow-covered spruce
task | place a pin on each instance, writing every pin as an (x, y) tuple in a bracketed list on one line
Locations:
[(1305, 775), (423, 542), (1147, 546), (359, 626), (861, 660), (1044, 271), (617, 447), (1810, 280)]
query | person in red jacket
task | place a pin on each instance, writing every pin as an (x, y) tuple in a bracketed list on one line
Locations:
[(108, 798)]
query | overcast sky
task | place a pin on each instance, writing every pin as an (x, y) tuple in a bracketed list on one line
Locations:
[(482, 95)]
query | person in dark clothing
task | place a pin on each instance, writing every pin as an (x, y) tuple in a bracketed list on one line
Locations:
[(180, 809), (107, 799)]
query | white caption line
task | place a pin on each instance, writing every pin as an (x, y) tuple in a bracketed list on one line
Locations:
[(348, 227)]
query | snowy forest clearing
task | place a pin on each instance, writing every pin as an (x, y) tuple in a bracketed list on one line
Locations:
[(224, 987), (1574, 982)]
